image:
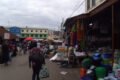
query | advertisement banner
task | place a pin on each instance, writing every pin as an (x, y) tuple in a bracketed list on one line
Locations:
[(6, 36)]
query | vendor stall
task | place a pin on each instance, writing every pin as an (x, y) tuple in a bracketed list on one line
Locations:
[(60, 55)]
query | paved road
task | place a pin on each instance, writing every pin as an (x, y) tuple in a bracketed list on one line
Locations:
[(19, 70)]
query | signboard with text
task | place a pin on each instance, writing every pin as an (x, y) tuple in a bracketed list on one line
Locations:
[(6, 36)]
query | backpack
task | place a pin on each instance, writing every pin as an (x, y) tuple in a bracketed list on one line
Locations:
[(36, 56)]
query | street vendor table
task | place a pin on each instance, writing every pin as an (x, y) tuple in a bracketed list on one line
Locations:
[(79, 56)]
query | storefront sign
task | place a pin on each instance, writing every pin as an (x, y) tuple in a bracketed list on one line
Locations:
[(15, 30), (6, 36)]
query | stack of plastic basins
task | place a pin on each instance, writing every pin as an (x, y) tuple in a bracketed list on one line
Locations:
[(107, 61), (100, 72)]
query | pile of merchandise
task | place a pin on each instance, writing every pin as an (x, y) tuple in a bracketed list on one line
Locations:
[(99, 66), (60, 55)]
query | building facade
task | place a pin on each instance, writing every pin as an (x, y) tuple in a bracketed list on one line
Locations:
[(103, 23), (98, 27), (15, 30), (5, 34), (37, 33), (54, 35), (74, 31), (92, 4)]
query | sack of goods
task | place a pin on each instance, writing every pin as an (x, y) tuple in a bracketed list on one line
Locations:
[(44, 73)]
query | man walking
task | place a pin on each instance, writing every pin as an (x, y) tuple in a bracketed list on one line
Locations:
[(5, 51), (36, 60)]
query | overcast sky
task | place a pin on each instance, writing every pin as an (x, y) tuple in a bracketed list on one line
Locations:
[(37, 13)]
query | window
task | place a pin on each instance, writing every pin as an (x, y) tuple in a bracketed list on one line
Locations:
[(36, 35), (45, 35), (45, 31), (93, 3), (40, 35), (32, 35), (31, 30), (23, 35), (26, 30), (36, 30), (26, 35), (29, 35), (88, 4), (40, 30), (22, 30)]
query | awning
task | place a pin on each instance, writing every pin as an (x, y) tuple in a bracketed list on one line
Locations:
[(71, 20)]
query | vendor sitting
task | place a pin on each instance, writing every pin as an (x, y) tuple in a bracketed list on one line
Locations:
[(70, 58), (79, 54)]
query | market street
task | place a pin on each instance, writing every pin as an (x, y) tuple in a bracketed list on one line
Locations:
[(19, 70)]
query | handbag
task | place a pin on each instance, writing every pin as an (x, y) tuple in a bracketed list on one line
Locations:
[(44, 73)]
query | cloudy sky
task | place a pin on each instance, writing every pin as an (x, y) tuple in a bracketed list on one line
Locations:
[(38, 13)]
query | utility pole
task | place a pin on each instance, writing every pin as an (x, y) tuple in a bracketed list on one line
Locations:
[(61, 29), (8, 23)]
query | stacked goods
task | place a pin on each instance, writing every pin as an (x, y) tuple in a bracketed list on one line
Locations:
[(100, 73), (82, 72), (116, 65), (117, 56), (60, 55), (107, 61), (62, 49), (86, 63), (107, 58)]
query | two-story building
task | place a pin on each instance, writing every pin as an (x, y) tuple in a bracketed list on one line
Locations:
[(100, 24), (37, 33), (92, 4), (54, 35), (103, 23)]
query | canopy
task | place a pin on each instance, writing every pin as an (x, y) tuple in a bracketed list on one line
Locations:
[(28, 39)]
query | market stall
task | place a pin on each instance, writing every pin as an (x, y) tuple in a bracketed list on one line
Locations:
[(60, 55)]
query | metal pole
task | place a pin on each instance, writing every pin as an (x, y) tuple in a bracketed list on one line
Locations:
[(113, 36)]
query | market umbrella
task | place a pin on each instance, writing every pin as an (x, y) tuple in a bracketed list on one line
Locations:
[(28, 39)]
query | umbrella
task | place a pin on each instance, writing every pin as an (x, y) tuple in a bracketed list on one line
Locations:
[(28, 39)]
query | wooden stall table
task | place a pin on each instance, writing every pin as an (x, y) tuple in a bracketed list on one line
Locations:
[(79, 56)]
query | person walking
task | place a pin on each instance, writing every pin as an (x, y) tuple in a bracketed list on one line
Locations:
[(1, 54), (5, 51), (36, 60), (14, 51)]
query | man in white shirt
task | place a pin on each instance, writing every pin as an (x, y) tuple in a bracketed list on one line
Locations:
[(38, 44)]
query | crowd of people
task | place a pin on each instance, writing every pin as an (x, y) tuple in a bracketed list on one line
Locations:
[(8, 50), (36, 50)]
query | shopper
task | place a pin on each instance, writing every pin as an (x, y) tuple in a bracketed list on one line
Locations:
[(5, 51), (36, 60)]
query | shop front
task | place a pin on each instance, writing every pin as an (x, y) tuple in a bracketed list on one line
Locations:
[(102, 39)]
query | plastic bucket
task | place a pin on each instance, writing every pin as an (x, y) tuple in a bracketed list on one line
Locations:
[(100, 72), (106, 56), (82, 72)]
